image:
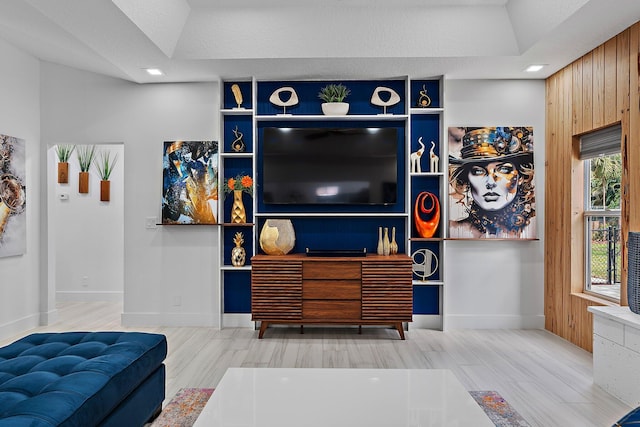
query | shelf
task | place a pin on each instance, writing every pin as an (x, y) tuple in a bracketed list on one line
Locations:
[(171, 224), (324, 214), (368, 117), (236, 112), (426, 174), (232, 268), (426, 110), (427, 282), (238, 155), (492, 239), (330, 225)]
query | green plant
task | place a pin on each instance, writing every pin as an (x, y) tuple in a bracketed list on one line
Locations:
[(63, 151), (105, 164), (86, 154), (334, 93)]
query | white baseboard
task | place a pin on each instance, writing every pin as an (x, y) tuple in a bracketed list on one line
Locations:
[(90, 296), (237, 320), (49, 317), (494, 322), (426, 321), (169, 319), (19, 326)]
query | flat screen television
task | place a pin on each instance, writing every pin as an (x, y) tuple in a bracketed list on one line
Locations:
[(340, 166)]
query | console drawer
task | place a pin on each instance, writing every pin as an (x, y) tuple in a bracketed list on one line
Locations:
[(330, 310), (331, 289), (331, 270)]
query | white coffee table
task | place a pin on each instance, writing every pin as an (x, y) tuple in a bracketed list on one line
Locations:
[(301, 397)]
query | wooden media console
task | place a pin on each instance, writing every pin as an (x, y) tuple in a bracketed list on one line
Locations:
[(301, 289)]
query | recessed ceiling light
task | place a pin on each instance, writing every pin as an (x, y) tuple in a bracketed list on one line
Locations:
[(154, 71), (533, 68)]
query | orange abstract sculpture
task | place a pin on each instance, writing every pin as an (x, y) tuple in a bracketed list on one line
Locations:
[(426, 228)]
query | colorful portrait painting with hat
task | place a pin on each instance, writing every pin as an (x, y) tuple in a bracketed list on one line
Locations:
[(491, 183)]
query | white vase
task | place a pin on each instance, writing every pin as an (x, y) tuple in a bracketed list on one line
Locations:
[(380, 249), (335, 108), (386, 243), (393, 247)]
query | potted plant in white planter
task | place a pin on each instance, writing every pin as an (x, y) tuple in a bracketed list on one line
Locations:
[(333, 96)]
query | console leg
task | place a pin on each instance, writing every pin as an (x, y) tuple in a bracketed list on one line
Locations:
[(359, 329), (301, 329), (400, 330), (263, 327)]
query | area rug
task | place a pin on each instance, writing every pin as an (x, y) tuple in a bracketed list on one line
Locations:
[(498, 410), (184, 408)]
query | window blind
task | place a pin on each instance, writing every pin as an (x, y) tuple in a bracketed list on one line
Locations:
[(601, 142)]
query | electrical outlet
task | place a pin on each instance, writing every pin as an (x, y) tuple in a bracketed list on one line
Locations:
[(151, 222), (85, 281), (177, 301)]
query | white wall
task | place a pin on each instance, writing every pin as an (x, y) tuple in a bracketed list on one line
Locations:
[(497, 284), (20, 117), (89, 261), (170, 272)]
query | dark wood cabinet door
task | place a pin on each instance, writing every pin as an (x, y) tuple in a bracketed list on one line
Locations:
[(387, 290), (276, 289)]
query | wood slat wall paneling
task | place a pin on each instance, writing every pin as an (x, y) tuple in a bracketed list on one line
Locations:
[(553, 193), (622, 70), (597, 90), (576, 91), (598, 96), (611, 112), (587, 92)]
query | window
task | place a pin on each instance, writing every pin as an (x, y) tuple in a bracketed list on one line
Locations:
[(600, 152)]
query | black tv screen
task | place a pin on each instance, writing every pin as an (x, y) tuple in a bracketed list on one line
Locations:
[(343, 166)]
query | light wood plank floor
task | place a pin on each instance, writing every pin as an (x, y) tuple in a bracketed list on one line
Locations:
[(546, 379)]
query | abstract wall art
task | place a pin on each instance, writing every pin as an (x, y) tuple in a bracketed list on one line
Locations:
[(13, 197), (190, 182), (491, 183)]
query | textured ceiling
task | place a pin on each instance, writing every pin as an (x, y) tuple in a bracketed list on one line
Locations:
[(202, 40)]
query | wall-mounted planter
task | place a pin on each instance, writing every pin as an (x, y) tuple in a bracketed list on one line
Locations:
[(105, 191), (63, 172), (83, 182)]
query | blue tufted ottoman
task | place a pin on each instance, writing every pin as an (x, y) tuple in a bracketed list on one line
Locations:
[(631, 419), (82, 379)]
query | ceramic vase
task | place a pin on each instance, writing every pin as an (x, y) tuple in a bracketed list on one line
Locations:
[(83, 182), (63, 172), (238, 214), (426, 227), (386, 244), (335, 108), (380, 248), (393, 248), (277, 237)]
